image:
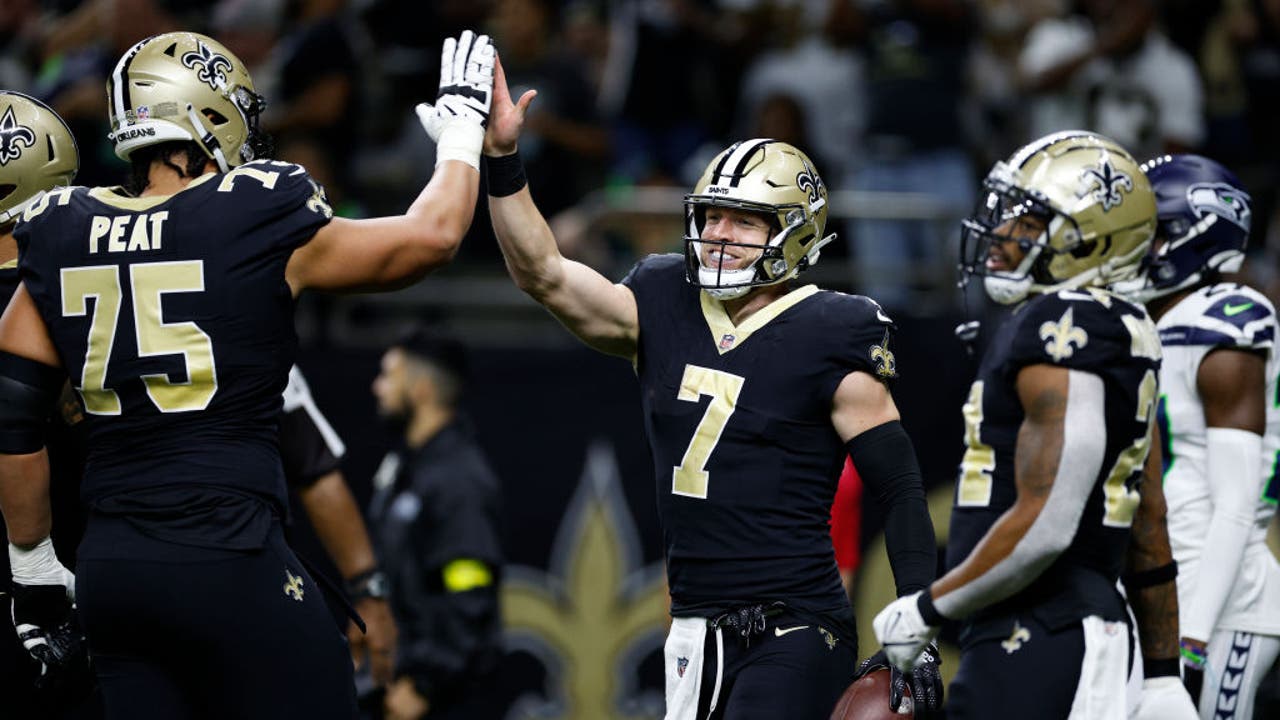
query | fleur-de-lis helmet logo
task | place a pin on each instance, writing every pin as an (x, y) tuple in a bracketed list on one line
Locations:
[(13, 137), (809, 181), (211, 68), (1106, 182)]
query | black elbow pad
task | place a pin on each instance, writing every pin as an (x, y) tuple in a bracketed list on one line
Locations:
[(28, 393)]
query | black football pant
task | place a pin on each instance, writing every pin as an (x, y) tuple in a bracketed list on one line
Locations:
[(222, 635), (1026, 675), (795, 669)]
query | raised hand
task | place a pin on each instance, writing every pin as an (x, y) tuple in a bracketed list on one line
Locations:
[(457, 120), (508, 117)]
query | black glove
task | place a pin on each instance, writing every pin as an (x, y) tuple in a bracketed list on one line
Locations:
[(925, 680), (47, 627)]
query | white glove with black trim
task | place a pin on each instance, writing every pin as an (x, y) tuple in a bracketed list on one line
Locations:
[(902, 632), (43, 611), (457, 121)]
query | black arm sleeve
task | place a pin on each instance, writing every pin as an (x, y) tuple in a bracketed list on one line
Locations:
[(886, 461)]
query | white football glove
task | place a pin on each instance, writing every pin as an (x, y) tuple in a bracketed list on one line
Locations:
[(457, 121), (902, 632), (1164, 698)]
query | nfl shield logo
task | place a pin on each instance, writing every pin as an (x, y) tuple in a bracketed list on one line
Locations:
[(682, 664), (726, 342), (143, 112)]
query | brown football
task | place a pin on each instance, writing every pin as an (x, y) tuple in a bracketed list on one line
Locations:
[(868, 699)]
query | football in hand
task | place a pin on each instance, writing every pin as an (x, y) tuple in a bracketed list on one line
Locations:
[(868, 699)]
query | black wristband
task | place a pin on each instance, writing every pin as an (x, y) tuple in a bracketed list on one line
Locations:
[(505, 174), (368, 584), (928, 612), (1146, 578), (1163, 667)]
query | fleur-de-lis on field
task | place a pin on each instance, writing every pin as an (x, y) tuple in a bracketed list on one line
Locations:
[(13, 136), (1107, 182), (210, 67), (886, 365), (1061, 336)]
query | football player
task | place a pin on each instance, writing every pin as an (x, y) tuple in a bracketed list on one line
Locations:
[(1057, 431), (37, 153), (754, 389), (169, 304), (1219, 427)]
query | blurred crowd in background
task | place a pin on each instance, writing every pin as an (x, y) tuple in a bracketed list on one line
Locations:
[(903, 104)]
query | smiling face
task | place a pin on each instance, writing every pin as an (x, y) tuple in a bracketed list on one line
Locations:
[(728, 231)]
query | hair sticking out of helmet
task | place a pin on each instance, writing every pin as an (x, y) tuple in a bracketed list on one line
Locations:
[(37, 153), (779, 183), (1072, 209), (1203, 221), (184, 86)]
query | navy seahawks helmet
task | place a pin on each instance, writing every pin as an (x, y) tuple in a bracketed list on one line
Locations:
[(1203, 218)]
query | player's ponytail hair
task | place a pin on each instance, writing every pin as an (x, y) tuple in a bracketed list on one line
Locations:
[(142, 158)]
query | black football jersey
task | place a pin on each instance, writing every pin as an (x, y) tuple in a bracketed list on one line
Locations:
[(1091, 331), (739, 424), (172, 317)]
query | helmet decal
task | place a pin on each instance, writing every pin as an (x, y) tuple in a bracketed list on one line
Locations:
[(13, 136), (809, 181), (1221, 199), (211, 68), (1106, 182)]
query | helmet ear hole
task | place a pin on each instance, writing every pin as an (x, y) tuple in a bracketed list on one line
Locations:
[(215, 117), (1085, 249), (6, 190)]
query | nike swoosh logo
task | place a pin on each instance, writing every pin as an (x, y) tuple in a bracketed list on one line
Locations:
[(779, 632), (1230, 310)]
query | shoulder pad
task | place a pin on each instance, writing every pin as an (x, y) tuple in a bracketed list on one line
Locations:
[(1222, 315), (1082, 329), (653, 265)]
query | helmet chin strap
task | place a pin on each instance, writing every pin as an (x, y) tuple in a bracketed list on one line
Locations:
[(207, 139)]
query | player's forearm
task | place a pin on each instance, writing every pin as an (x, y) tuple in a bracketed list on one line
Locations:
[(886, 461), (446, 206), (1150, 575), (1058, 459), (338, 524), (533, 258), (24, 497), (1234, 463)]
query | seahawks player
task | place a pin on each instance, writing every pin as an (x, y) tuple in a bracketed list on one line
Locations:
[(1057, 433), (1219, 421), (753, 390), (169, 304)]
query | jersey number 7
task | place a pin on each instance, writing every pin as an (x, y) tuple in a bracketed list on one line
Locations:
[(691, 478)]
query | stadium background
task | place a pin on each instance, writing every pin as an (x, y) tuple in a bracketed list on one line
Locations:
[(902, 103)]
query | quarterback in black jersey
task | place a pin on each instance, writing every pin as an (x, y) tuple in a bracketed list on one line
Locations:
[(753, 391), (1058, 429), (169, 304)]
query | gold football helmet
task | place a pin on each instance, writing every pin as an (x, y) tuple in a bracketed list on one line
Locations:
[(1091, 197), (37, 152), (186, 86), (772, 178)]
